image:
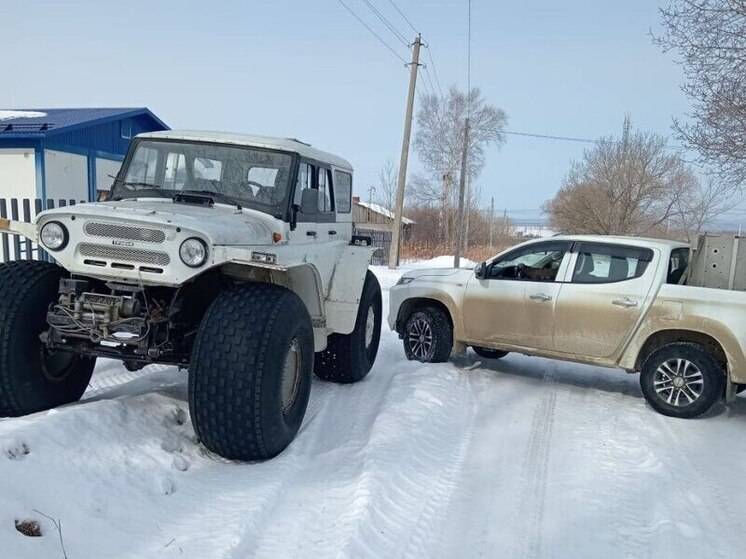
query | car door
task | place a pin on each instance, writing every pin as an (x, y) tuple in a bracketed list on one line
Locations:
[(307, 226), (604, 299), (327, 228), (514, 303)]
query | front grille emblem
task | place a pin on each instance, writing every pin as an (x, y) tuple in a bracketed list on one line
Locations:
[(122, 243)]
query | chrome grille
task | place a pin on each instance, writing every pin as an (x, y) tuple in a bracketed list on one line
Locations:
[(124, 254), (131, 233)]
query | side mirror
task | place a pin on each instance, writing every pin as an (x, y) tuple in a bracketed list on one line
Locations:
[(480, 271), (309, 201)]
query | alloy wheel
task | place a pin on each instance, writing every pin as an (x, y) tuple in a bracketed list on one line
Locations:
[(678, 382)]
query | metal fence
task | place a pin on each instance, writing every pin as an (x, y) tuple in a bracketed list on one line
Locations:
[(15, 247)]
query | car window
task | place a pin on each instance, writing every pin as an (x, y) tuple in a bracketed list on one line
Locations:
[(143, 166), (176, 173), (598, 263), (207, 169), (677, 264), (343, 191), (325, 190), (305, 180), (532, 263)]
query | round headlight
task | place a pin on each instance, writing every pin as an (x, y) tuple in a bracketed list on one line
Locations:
[(193, 252), (54, 235)]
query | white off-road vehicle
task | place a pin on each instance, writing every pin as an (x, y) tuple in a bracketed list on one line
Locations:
[(232, 256)]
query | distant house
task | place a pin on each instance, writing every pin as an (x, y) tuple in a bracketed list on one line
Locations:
[(375, 221), (66, 153), (374, 216)]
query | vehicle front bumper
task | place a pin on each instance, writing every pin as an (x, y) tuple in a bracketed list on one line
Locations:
[(397, 295)]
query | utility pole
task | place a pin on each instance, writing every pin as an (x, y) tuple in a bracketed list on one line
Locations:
[(492, 222), (404, 159), (468, 213), (461, 192)]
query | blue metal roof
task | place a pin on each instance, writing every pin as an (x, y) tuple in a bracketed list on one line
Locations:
[(56, 121)]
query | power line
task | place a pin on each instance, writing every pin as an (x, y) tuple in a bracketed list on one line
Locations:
[(571, 138), (376, 35), (387, 23), (429, 80), (404, 17), (435, 71)]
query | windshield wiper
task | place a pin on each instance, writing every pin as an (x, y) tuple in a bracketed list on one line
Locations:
[(143, 185), (210, 194)]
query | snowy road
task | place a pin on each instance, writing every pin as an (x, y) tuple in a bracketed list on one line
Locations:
[(518, 458)]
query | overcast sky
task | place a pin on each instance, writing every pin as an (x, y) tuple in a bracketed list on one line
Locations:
[(308, 69)]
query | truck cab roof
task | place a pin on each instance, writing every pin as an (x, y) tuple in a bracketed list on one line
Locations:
[(284, 144)]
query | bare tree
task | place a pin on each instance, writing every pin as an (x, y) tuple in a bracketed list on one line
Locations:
[(709, 37), (696, 207), (386, 191), (632, 185), (439, 143)]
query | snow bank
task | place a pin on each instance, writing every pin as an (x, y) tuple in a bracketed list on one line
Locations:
[(518, 457), (11, 115)]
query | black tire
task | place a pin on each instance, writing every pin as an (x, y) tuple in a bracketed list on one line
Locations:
[(349, 357), (237, 397), (703, 380), (428, 324), (488, 353), (31, 379)]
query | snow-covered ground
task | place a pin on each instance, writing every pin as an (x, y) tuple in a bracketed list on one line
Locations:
[(518, 458)]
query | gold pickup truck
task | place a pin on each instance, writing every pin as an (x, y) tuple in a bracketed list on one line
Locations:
[(608, 301)]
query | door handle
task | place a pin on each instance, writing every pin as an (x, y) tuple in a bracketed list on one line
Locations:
[(311, 233), (627, 302), (332, 232), (540, 297)]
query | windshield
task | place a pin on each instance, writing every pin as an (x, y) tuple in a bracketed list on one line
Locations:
[(250, 177)]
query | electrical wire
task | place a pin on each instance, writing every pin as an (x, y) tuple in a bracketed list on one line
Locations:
[(570, 138), (401, 13), (435, 71), (372, 32), (387, 23)]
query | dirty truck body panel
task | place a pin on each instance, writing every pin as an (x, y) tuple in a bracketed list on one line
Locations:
[(594, 321)]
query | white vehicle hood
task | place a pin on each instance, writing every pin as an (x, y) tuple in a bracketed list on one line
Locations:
[(221, 224)]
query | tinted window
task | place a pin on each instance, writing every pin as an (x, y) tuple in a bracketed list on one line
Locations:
[(598, 263), (532, 263), (677, 264), (343, 191)]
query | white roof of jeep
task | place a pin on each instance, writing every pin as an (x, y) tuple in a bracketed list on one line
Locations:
[(284, 144)]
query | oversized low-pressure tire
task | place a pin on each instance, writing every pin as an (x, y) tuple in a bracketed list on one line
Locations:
[(349, 358), (488, 353), (428, 335), (682, 379), (31, 378), (250, 372)]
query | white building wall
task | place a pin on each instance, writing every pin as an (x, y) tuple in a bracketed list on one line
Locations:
[(105, 169), (17, 173), (66, 175)]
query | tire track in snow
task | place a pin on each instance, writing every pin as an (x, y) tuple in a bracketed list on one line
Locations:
[(388, 489), (536, 468)]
